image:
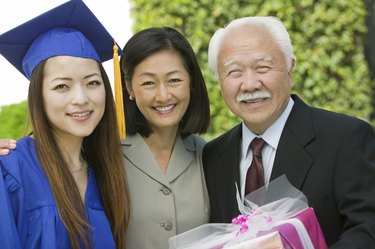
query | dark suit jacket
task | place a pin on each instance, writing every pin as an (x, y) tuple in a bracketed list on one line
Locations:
[(330, 157)]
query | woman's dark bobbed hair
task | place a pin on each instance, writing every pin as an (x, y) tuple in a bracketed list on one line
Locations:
[(153, 40)]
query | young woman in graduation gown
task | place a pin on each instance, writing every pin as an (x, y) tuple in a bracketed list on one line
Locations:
[(64, 186)]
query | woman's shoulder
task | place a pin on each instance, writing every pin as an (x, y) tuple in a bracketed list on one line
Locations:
[(21, 170), (16, 160), (194, 142), (196, 139), (25, 146)]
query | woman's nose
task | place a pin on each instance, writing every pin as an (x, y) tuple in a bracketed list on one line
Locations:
[(80, 96), (163, 93)]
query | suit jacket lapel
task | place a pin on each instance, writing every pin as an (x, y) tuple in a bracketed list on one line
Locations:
[(229, 151), (291, 158)]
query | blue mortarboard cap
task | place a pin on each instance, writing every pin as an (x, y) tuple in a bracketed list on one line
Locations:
[(58, 41), (69, 29)]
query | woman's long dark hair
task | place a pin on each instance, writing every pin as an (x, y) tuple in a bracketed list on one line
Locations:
[(102, 149)]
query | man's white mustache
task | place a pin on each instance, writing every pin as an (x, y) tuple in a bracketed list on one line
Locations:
[(253, 96)]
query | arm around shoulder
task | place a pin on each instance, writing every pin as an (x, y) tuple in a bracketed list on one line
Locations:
[(6, 145)]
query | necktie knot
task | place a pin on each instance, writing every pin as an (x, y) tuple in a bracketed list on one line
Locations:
[(257, 146)]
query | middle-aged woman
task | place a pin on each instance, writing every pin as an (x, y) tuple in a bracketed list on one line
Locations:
[(166, 104)]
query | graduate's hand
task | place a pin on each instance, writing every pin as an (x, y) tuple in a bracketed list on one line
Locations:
[(6, 145)]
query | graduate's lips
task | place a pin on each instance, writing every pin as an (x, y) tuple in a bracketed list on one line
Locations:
[(81, 116)]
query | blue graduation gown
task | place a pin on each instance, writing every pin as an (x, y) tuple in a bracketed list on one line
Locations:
[(28, 214)]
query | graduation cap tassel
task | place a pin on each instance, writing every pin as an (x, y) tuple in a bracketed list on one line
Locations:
[(118, 94)]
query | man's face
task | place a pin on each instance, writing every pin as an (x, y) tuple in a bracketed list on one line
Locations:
[(254, 77)]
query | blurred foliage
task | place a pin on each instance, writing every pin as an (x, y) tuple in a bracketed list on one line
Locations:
[(327, 36), (14, 121)]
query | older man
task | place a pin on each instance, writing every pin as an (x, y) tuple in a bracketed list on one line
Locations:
[(330, 157)]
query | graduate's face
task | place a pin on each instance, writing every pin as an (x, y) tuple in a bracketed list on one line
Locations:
[(254, 77), (161, 88), (73, 95)]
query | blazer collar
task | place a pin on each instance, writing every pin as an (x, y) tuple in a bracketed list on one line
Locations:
[(139, 154)]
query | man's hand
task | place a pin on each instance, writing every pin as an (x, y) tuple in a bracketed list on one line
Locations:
[(6, 145)]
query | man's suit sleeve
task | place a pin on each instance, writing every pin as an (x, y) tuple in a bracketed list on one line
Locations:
[(354, 186)]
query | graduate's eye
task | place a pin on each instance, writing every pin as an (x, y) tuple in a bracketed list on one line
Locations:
[(94, 83), (60, 87)]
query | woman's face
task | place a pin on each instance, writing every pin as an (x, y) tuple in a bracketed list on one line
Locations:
[(73, 95), (161, 88)]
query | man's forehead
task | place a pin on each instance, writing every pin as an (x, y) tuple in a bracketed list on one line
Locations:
[(227, 62)]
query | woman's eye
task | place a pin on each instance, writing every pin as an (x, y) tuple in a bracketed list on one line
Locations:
[(174, 80), (60, 87), (94, 83), (148, 83)]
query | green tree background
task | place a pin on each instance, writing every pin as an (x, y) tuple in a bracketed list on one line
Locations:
[(14, 121), (328, 38)]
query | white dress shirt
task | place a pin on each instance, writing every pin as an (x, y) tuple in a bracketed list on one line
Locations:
[(272, 137)]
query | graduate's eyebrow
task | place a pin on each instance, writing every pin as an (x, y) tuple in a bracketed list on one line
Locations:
[(68, 78)]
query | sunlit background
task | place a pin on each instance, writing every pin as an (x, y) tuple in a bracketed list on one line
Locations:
[(333, 42)]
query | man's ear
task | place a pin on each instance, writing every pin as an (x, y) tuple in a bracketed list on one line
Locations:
[(292, 66)]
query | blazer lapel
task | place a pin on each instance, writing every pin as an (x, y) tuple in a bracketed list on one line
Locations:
[(181, 158), (291, 158), (139, 155)]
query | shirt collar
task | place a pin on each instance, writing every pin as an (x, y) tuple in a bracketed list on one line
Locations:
[(271, 135)]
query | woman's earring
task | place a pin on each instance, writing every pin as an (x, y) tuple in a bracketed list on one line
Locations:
[(131, 97)]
